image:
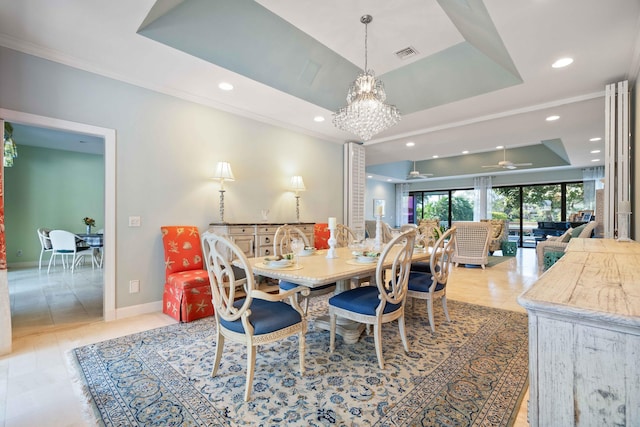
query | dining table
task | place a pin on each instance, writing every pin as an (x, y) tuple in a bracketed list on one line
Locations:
[(316, 269), (95, 241)]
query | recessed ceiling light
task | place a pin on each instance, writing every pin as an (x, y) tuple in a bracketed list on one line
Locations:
[(435, 156), (225, 86), (594, 151), (499, 147), (318, 119), (389, 180), (552, 118), (595, 160), (595, 139), (369, 176), (562, 62), (465, 152), (411, 144)]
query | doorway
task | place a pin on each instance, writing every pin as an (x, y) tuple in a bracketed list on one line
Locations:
[(109, 137)]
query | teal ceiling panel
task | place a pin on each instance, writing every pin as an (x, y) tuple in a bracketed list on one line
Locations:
[(244, 37), (459, 72)]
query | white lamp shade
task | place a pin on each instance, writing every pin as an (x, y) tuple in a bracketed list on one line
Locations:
[(297, 184), (223, 172)]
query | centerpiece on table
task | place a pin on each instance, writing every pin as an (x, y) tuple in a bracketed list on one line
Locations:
[(89, 222)]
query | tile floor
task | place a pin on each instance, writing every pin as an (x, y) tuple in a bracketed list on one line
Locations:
[(54, 313)]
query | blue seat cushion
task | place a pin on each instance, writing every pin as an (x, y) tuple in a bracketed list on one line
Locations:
[(421, 282), (363, 300), (287, 286), (266, 317)]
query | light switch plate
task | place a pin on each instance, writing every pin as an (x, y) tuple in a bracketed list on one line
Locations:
[(134, 286), (134, 221)]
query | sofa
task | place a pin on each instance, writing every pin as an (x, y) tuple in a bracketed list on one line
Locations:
[(560, 243), (187, 293)]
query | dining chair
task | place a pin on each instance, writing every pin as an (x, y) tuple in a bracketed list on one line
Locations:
[(344, 236), (427, 236), (64, 244), (431, 285), (255, 319), (45, 244), (187, 293), (382, 303), (282, 244), (285, 236)]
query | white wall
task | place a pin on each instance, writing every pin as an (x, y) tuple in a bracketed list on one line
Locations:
[(167, 149)]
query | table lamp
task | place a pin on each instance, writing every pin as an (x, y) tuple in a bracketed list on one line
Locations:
[(297, 185), (223, 172)]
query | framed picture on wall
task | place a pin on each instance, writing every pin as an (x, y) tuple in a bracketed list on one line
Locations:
[(378, 207)]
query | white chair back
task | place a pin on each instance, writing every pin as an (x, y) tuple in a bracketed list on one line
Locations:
[(284, 236), (442, 256), (219, 255), (394, 266)]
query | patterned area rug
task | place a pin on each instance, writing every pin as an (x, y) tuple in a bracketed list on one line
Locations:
[(470, 372)]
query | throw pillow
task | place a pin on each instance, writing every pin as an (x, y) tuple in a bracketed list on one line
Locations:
[(576, 231)]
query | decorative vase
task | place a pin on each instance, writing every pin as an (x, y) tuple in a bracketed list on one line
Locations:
[(88, 229)]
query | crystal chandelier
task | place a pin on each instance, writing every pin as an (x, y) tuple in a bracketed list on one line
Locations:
[(366, 114)]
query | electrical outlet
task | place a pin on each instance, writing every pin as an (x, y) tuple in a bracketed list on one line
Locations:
[(134, 221), (134, 286), (19, 253)]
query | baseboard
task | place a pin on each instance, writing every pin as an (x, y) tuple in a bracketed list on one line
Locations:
[(136, 310), (27, 264)]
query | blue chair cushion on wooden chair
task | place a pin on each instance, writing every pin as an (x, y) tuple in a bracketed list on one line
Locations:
[(421, 282), (362, 300), (262, 317), (286, 286)]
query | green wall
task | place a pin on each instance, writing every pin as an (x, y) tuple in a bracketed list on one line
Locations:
[(53, 189)]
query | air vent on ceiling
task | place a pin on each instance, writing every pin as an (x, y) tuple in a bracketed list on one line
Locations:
[(407, 52)]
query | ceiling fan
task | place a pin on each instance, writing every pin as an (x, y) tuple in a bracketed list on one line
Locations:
[(507, 164), (415, 174)]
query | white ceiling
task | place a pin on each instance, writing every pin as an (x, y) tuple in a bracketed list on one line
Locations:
[(601, 36)]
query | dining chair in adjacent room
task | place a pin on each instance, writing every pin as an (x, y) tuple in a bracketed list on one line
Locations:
[(45, 244), (385, 301), (64, 245), (428, 286), (257, 318)]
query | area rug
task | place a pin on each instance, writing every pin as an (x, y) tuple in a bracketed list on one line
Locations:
[(472, 371)]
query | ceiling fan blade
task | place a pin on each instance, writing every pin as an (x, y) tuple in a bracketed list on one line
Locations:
[(492, 166), (523, 164)]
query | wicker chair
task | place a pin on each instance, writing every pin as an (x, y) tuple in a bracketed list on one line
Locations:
[(559, 243), (499, 234), (472, 243)]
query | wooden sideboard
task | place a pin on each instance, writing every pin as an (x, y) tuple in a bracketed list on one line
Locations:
[(584, 337), (256, 239)]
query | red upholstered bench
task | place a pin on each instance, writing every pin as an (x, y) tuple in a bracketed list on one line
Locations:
[(187, 294)]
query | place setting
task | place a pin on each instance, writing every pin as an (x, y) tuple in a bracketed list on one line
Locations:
[(286, 262)]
